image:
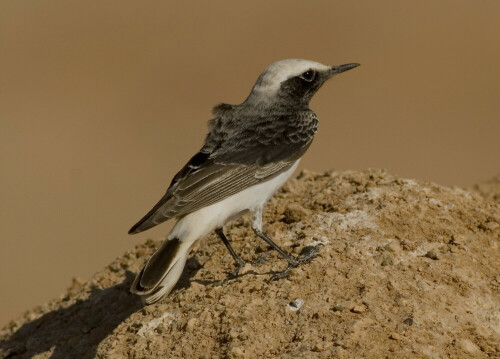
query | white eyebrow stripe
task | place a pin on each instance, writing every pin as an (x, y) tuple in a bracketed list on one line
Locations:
[(271, 78)]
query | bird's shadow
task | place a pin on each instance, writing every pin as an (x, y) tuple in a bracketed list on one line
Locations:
[(77, 330)]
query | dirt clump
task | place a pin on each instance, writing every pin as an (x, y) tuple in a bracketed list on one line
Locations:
[(406, 269)]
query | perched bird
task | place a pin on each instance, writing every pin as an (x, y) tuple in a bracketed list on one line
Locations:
[(250, 151)]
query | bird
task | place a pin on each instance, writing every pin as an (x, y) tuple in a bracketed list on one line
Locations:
[(250, 151)]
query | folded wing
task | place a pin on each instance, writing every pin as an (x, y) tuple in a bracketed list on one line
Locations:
[(223, 170)]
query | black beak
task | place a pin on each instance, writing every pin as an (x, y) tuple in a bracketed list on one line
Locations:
[(342, 68)]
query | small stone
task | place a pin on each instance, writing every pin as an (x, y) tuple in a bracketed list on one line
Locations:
[(256, 286), (114, 267), (140, 252), (432, 254), (457, 239), (321, 346), (396, 336), (192, 324), (340, 352), (337, 307), (343, 305), (408, 321), (76, 284), (296, 304), (233, 333), (491, 226), (393, 247), (246, 268), (358, 309), (387, 260), (467, 346), (238, 352)]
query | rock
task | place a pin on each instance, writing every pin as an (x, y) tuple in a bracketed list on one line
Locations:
[(432, 254), (394, 247), (358, 309), (238, 352), (408, 321), (457, 239), (192, 324), (343, 304), (468, 347), (396, 336), (296, 304)]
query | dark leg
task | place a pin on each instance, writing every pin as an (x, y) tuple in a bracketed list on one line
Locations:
[(292, 262), (238, 261)]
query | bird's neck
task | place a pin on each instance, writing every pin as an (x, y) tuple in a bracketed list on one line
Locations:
[(278, 106)]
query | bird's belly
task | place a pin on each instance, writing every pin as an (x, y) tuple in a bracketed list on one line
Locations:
[(207, 219)]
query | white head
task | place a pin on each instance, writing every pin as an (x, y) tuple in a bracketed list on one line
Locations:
[(292, 79), (270, 80)]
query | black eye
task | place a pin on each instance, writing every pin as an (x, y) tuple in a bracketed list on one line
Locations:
[(308, 75)]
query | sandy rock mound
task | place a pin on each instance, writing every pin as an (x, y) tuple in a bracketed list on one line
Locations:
[(406, 270), (489, 189)]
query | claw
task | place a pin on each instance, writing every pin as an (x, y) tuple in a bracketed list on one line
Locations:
[(282, 274), (260, 260), (234, 274), (312, 252), (309, 254)]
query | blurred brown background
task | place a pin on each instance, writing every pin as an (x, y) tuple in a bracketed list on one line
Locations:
[(102, 102)]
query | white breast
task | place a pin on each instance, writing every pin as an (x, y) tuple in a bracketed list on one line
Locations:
[(207, 219)]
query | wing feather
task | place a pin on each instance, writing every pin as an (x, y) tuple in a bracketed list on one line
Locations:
[(220, 170)]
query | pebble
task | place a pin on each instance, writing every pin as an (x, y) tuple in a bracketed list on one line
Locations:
[(408, 321), (387, 260), (322, 346), (457, 239), (358, 309), (489, 226), (192, 324), (340, 352), (393, 247), (337, 307), (114, 267), (296, 304), (467, 346), (432, 254), (246, 268), (238, 352), (396, 336)]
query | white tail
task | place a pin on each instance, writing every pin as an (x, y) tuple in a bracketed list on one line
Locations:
[(162, 271)]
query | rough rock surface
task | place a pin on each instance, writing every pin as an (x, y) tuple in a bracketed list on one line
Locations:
[(406, 269), (489, 189)]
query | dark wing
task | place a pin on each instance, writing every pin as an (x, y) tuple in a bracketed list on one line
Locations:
[(235, 163)]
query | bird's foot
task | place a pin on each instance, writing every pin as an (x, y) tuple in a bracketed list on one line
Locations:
[(260, 260), (306, 256), (234, 273)]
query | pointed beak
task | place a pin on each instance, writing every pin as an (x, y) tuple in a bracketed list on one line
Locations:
[(334, 70)]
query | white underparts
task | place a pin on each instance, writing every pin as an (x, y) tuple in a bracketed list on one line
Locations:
[(195, 225)]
